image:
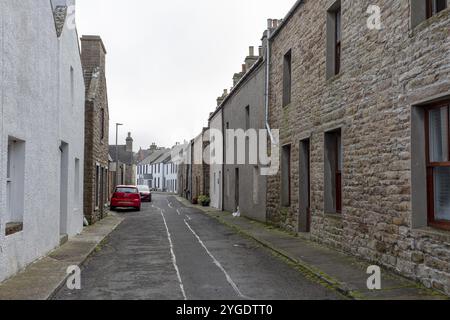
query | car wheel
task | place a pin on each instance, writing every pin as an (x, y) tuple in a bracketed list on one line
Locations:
[(138, 209), (112, 208)]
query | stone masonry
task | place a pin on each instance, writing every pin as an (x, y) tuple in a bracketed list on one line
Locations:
[(96, 129), (386, 75), (200, 170)]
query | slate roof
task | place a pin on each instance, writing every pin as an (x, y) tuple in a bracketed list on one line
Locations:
[(155, 157), (124, 156)]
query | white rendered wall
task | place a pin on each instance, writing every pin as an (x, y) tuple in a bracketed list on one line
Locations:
[(30, 112)]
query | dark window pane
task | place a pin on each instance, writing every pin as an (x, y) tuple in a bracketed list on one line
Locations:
[(338, 26), (440, 5), (442, 193), (438, 123)]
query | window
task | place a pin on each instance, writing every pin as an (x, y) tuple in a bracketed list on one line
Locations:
[(304, 186), (72, 87), (15, 185), (77, 182), (438, 164), (333, 171), (286, 176), (434, 7), (255, 185), (287, 78), (247, 118), (337, 48), (334, 39), (102, 123), (422, 10), (97, 185)]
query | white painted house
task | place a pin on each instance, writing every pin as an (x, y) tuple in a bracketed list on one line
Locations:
[(158, 171), (41, 131)]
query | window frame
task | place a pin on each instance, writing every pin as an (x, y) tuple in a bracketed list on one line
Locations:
[(430, 166), (287, 78), (337, 40), (102, 124), (431, 8), (286, 169)]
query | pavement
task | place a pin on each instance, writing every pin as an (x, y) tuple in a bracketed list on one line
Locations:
[(43, 278), (344, 273), (174, 252)]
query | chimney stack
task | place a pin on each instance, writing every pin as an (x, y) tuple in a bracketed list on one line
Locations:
[(222, 98), (93, 56), (129, 143), (251, 58)]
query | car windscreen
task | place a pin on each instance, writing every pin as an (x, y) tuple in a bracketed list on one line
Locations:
[(126, 190), (144, 189)]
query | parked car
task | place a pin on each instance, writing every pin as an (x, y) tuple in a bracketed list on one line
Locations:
[(126, 197), (146, 195)]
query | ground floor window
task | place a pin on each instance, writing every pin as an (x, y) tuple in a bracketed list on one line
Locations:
[(333, 171), (438, 164)]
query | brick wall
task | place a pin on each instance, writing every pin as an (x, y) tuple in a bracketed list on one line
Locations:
[(384, 74)]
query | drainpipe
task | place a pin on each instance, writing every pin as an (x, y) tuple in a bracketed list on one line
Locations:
[(222, 180), (269, 28)]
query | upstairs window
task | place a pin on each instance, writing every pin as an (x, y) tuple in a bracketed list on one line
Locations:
[(438, 164), (334, 39), (102, 124), (287, 78)]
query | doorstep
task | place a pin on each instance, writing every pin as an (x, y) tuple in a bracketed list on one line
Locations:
[(344, 273), (41, 279)]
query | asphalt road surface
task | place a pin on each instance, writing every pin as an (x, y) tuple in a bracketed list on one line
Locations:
[(171, 252)]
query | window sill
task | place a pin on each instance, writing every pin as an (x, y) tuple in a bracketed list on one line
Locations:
[(334, 215), (334, 78), (13, 227), (428, 22), (434, 232)]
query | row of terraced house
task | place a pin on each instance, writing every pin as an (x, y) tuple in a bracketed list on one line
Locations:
[(56, 174), (354, 99)]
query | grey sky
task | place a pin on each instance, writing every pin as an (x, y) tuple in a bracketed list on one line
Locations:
[(168, 61)]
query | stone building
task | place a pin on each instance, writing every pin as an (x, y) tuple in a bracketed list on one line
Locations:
[(363, 114), (41, 131), (185, 170), (126, 162), (200, 167), (243, 112), (96, 130)]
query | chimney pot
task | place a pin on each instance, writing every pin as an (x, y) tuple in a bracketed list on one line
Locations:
[(275, 23), (260, 51), (252, 51), (244, 68), (269, 23)]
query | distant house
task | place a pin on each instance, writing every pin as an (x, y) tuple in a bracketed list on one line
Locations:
[(41, 131), (145, 170), (159, 171), (126, 162)]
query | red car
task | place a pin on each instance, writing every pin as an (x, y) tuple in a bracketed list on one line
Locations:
[(126, 197), (146, 195)]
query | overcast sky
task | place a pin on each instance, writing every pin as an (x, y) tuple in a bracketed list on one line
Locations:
[(168, 61)]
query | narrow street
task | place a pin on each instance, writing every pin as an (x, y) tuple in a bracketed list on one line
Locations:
[(169, 251)]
